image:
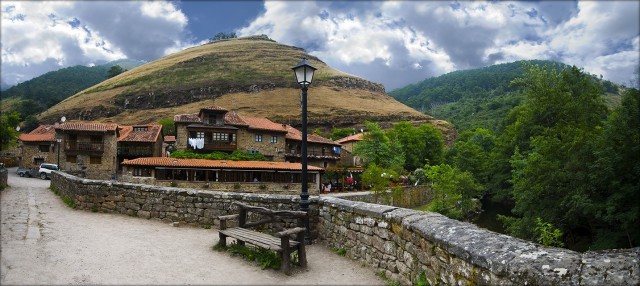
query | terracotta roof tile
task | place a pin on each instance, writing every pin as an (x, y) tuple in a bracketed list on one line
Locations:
[(263, 124), (133, 135), (87, 126), (124, 131), (44, 133), (232, 118), (295, 134), (187, 118), (354, 137), (169, 138), (226, 164)]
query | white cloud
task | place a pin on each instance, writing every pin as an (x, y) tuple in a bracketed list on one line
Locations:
[(402, 42), (42, 36)]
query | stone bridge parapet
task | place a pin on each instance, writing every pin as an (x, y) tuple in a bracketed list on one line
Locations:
[(404, 244)]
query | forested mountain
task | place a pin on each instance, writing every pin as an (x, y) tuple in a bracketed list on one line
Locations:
[(475, 98), (40, 93)]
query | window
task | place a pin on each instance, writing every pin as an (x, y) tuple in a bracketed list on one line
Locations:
[(96, 139), (258, 137), (43, 148), (141, 172), (72, 159), (95, 160), (220, 137), (140, 128), (200, 134), (274, 139)]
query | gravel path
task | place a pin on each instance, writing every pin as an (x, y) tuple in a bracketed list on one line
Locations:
[(46, 242)]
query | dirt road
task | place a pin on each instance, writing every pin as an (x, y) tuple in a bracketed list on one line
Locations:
[(46, 242)]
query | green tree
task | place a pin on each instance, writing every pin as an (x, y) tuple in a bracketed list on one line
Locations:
[(8, 133), (114, 71), (454, 191), (472, 152), (339, 133), (379, 178), (378, 149), (554, 137), (419, 145), (168, 126), (31, 123), (616, 172)]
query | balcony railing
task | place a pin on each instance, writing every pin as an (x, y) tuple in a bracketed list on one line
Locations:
[(314, 154), (142, 152), (84, 147), (217, 146)]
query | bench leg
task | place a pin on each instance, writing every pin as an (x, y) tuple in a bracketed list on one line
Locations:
[(285, 255), (302, 252), (223, 239)]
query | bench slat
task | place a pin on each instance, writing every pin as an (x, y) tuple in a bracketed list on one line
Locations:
[(257, 238)]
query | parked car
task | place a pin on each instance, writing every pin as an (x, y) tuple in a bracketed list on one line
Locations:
[(45, 170), (26, 173)]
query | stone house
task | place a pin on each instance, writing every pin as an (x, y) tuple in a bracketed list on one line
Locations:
[(236, 176), (37, 147), (348, 143), (139, 141), (321, 152), (88, 148), (217, 129)]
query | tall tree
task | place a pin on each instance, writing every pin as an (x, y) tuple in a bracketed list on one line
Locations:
[(114, 71), (8, 133), (377, 148)]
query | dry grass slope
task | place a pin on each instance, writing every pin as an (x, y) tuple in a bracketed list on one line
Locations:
[(250, 75)]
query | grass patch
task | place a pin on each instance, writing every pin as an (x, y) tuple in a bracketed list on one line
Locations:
[(387, 280), (206, 226), (68, 201), (340, 251), (262, 256)]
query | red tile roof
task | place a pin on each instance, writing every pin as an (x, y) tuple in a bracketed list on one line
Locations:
[(226, 164), (263, 124), (87, 126), (232, 118), (44, 133), (354, 137), (169, 138), (212, 108), (187, 118), (129, 134), (295, 134)]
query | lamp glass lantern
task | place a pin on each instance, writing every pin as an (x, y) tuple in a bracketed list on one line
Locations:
[(304, 73)]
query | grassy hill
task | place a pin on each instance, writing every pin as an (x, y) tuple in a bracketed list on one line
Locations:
[(477, 97), (251, 75), (42, 92)]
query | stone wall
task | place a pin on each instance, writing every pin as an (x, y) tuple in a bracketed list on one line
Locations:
[(4, 176), (404, 244), (409, 197), (190, 206), (83, 166)]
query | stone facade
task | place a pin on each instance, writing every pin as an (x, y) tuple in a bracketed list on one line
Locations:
[(247, 141), (404, 244), (32, 154), (102, 166)]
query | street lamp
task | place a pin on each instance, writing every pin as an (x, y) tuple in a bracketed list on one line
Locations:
[(59, 139), (304, 75)]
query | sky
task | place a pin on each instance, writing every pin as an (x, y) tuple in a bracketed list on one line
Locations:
[(390, 42)]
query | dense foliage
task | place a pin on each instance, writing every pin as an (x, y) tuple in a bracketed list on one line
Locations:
[(474, 98), (8, 133)]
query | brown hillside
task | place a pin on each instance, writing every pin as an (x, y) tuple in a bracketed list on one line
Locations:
[(251, 75)]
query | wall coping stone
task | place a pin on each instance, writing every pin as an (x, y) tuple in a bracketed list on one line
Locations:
[(512, 258)]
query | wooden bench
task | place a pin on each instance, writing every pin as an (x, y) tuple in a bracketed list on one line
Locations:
[(280, 242)]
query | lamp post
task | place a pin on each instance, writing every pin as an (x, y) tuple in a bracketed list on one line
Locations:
[(58, 140), (304, 75)]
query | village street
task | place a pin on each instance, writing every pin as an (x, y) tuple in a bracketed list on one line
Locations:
[(46, 242)]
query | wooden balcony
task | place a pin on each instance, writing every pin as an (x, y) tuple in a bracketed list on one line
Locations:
[(314, 154), (136, 152), (72, 148)]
